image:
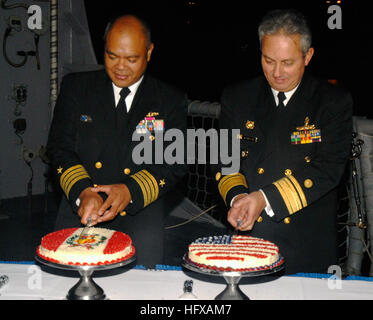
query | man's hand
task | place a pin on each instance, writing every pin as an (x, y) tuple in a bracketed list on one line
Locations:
[(246, 208), (90, 203), (118, 199)]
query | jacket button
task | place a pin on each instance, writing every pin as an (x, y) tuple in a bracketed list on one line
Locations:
[(308, 159), (127, 171), (260, 170), (308, 183), (287, 220), (98, 165), (260, 219), (123, 213), (218, 176), (288, 172)]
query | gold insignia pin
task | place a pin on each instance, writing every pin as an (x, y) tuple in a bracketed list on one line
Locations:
[(250, 124), (307, 126), (162, 183), (59, 170), (152, 114)]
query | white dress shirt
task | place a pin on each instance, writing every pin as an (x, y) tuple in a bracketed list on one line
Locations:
[(133, 88)]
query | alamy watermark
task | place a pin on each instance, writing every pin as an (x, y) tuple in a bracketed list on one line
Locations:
[(335, 280), (34, 281), (35, 19), (335, 20), (173, 147)]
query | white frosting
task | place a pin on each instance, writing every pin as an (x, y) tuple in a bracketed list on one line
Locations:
[(236, 252), (90, 250)]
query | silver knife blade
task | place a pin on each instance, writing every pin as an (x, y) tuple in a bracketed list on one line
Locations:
[(85, 229)]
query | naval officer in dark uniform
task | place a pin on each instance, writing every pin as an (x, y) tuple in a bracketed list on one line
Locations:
[(91, 143), (286, 188)]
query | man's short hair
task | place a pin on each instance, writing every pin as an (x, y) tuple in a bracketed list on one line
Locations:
[(144, 24), (289, 22)]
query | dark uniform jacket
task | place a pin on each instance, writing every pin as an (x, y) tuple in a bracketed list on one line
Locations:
[(298, 161), (86, 148)]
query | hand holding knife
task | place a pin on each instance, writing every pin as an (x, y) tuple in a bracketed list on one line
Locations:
[(239, 222), (85, 229)]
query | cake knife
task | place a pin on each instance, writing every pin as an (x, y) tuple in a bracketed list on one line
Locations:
[(85, 229), (239, 222)]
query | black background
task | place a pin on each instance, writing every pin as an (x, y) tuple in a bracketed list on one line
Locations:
[(202, 45)]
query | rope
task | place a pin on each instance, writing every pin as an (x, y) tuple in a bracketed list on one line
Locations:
[(53, 53)]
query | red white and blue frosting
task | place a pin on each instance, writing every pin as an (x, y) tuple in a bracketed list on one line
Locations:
[(234, 253)]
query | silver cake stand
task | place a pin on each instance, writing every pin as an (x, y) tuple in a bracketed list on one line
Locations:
[(86, 288), (232, 291)]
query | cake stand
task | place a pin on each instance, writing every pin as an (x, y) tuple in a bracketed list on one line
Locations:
[(85, 288), (232, 278)]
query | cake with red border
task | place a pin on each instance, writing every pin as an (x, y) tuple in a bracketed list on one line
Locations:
[(234, 253), (98, 246)]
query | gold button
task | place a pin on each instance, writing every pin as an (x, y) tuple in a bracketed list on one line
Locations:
[(250, 124), (218, 176), (95, 185), (244, 154), (98, 165), (127, 171), (308, 183), (308, 159), (288, 172), (287, 220), (152, 138), (123, 213), (260, 170), (260, 219)]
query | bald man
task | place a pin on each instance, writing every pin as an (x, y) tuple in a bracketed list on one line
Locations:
[(91, 149)]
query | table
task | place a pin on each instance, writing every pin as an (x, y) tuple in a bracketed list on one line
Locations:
[(28, 281)]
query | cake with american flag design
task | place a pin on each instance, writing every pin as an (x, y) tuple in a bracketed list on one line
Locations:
[(234, 253)]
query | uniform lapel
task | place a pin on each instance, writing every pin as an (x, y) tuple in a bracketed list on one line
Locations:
[(103, 112), (143, 102)]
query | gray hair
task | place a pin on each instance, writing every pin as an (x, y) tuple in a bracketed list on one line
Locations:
[(289, 22)]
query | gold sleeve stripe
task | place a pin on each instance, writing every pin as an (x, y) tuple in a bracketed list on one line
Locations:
[(75, 180), (299, 189), (72, 176), (148, 188), (230, 181), (284, 196), (154, 184), (142, 186), (291, 193), (148, 185)]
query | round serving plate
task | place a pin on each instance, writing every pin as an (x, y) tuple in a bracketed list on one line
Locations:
[(86, 288), (232, 290)]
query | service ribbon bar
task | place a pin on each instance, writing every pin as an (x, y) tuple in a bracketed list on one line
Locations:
[(148, 185), (292, 193), (230, 181), (72, 176)]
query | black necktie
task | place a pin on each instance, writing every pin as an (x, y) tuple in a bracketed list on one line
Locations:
[(121, 109), (281, 97)]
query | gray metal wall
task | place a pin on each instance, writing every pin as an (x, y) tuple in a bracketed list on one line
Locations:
[(75, 53)]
